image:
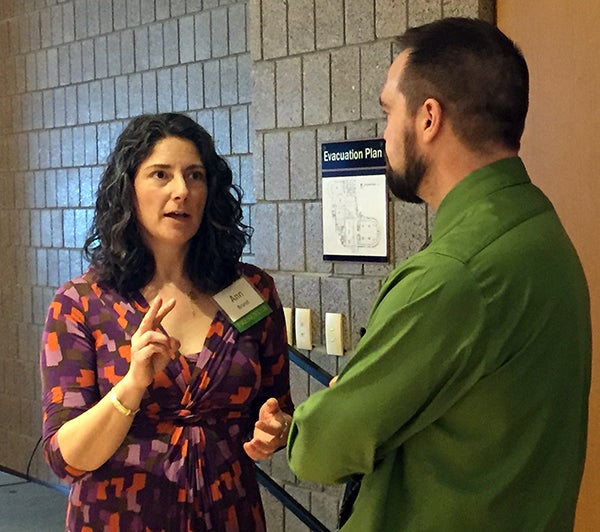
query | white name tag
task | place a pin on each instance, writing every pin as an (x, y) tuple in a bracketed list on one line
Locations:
[(242, 304)]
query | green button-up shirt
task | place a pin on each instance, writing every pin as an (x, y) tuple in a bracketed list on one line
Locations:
[(465, 403)]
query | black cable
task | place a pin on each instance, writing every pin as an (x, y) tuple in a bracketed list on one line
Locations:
[(289, 502), (31, 458)]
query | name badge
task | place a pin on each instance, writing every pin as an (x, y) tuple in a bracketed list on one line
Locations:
[(242, 304)]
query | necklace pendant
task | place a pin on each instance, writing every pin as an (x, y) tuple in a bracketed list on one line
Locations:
[(192, 301)]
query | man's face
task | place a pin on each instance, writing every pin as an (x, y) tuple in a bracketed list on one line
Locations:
[(405, 166), (404, 183)]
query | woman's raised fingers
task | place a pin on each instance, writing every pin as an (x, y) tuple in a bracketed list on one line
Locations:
[(163, 311), (155, 314)]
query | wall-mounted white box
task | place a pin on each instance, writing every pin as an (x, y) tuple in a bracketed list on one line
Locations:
[(334, 333), (303, 329)]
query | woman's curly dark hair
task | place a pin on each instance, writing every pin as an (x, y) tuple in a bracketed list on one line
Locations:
[(115, 247)]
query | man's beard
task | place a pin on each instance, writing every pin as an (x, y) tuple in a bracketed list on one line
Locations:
[(405, 185)]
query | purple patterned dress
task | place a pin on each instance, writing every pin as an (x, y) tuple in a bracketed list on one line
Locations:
[(182, 466)]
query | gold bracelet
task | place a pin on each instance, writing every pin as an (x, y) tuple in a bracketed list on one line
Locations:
[(112, 395)]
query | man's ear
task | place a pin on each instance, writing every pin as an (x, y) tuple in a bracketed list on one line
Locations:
[(429, 119)]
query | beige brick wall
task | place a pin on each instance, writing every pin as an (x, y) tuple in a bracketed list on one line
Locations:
[(270, 79), (318, 68)]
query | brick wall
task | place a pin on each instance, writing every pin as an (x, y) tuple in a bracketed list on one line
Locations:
[(318, 68), (270, 79)]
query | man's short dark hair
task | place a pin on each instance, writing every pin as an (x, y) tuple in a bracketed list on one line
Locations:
[(475, 72)]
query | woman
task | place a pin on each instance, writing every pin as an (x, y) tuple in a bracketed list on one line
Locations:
[(151, 390)]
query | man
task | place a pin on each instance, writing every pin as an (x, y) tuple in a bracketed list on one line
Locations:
[(464, 407)]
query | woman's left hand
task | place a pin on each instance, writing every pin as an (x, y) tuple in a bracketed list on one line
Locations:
[(270, 431)]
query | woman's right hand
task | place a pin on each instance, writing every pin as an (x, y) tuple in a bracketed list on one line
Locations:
[(151, 348)]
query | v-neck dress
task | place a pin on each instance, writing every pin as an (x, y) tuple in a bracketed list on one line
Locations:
[(182, 466)]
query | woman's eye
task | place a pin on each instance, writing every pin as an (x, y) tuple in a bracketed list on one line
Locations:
[(160, 174), (198, 176)]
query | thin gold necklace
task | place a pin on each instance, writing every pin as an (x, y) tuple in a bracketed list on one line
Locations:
[(192, 297), (192, 300)]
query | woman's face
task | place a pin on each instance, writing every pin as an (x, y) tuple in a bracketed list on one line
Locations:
[(170, 193)]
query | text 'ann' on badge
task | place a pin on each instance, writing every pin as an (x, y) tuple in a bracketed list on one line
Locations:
[(242, 304)]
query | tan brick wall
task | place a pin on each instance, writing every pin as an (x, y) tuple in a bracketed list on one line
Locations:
[(318, 68)]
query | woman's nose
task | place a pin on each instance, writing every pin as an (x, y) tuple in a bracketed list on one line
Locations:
[(179, 186)]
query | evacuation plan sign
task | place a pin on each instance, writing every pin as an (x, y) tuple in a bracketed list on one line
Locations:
[(354, 200)]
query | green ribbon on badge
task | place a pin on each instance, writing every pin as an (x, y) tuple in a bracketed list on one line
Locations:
[(253, 317)]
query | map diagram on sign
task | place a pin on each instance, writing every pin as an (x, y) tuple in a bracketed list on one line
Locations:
[(353, 221)]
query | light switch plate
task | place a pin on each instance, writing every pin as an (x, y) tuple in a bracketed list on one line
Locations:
[(334, 333), (289, 328), (303, 329)]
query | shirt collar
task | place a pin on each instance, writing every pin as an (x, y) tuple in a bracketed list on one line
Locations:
[(474, 187)]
